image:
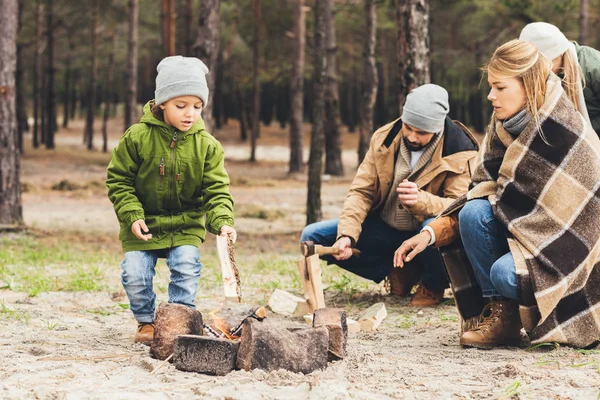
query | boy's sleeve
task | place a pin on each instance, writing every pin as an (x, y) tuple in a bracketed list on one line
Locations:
[(218, 202), (121, 173)]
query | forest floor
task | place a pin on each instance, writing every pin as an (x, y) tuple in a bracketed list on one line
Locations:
[(66, 331)]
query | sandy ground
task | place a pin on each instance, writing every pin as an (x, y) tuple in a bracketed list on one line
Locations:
[(78, 345)]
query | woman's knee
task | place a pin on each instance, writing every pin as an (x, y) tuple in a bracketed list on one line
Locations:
[(475, 213), (504, 276)]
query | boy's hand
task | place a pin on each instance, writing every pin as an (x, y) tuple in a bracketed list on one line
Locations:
[(228, 231), (140, 230)]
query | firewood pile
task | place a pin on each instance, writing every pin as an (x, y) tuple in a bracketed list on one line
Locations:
[(241, 337)]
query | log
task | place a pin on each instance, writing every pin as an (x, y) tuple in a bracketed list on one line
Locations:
[(334, 319), (205, 355), (172, 320), (310, 275), (269, 346), (353, 326), (231, 277), (282, 302), (373, 317)]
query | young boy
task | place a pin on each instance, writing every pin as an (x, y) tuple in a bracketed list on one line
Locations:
[(168, 185)]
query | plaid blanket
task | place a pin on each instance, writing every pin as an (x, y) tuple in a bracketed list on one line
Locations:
[(546, 190)]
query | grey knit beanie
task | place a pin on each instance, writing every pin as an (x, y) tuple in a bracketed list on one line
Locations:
[(549, 40), (181, 76), (426, 108)]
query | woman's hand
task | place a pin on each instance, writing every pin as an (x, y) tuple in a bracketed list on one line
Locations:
[(228, 231), (410, 248), (140, 230)]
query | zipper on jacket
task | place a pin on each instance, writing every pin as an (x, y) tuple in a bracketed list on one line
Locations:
[(161, 172), (171, 184)]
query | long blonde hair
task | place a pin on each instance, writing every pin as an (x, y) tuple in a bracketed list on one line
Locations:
[(522, 60), (573, 74)]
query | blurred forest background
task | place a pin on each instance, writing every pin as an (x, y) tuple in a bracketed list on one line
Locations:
[(327, 62)]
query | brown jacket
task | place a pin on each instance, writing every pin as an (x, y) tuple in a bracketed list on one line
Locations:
[(446, 177)]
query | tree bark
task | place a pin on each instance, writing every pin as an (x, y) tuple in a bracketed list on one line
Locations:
[(10, 187), (333, 145), (583, 22), (37, 74), (167, 19), (68, 82), (256, 63), (412, 20), (91, 106), (371, 80), (109, 84), (315, 161), (189, 15), (22, 125), (297, 88), (132, 65), (50, 90), (206, 48)]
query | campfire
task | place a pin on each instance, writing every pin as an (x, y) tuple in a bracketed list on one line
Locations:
[(244, 338)]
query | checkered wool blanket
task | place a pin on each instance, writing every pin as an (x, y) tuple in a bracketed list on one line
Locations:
[(546, 191)]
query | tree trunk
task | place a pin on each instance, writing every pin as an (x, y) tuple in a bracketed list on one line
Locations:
[(583, 22), (167, 20), (11, 211), (109, 85), (189, 16), (243, 124), (91, 106), (371, 80), (74, 92), (68, 82), (132, 65), (22, 125), (412, 20), (256, 80), (37, 74), (333, 145), (51, 125), (206, 48), (297, 88), (315, 161)]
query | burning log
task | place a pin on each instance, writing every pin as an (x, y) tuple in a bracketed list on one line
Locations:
[(172, 320), (227, 328), (334, 319), (268, 346), (205, 355)]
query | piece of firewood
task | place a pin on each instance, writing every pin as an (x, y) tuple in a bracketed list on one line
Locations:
[(353, 326), (282, 302), (308, 318), (172, 320), (309, 292), (334, 319), (205, 355), (372, 317), (314, 272), (269, 346), (229, 270)]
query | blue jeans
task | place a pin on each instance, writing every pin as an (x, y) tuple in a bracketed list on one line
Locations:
[(138, 272), (377, 244), (484, 239)]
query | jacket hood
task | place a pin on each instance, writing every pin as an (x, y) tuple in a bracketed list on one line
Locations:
[(151, 119)]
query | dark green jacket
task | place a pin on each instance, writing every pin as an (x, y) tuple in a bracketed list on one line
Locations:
[(175, 181), (589, 61)]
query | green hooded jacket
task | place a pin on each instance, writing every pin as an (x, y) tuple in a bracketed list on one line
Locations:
[(175, 181), (589, 61)]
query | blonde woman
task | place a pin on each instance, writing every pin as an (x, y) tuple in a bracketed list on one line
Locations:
[(529, 223), (577, 66)]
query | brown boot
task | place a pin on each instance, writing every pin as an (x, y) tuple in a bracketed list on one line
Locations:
[(144, 333), (426, 298), (500, 324), (401, 280)]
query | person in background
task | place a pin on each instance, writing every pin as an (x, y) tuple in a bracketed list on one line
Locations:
[(168, 184)]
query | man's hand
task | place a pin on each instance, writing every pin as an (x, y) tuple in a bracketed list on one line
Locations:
[(345, 245), (414, 245), (408, 192), (140, 230), (228, 231)]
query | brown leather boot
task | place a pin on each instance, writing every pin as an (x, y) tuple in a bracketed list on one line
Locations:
[(144, 333), (500, 324), (401, 280), (426, 298)]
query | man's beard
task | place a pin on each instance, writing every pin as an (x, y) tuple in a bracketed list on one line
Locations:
[(413, 147)]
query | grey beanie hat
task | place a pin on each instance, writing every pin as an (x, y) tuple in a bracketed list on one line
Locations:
[(549, 40), (426, 108), (181, 76)]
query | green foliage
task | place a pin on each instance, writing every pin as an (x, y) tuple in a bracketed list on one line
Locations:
[(12, 314)]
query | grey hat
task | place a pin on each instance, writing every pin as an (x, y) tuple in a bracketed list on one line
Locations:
[(181, 76), (549, 40), (426, 108)]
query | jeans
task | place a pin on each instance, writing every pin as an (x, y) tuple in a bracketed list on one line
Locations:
[(484, 239), (139, 270), (377, 244)]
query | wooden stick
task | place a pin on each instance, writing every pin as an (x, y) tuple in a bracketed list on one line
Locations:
[(309, 292), (161, 364), (313, 264), (231, 276)]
